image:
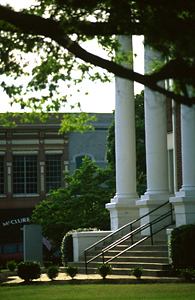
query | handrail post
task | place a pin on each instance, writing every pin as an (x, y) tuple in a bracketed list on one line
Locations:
[(171, 213), (151, 233), (86, 263), (131, 228), (103, 257)]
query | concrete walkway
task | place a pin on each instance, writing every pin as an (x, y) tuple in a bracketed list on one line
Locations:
[(91, 278)]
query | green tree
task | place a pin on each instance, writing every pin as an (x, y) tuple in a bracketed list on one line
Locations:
[(81, 204), (140, 133), (54, 31)]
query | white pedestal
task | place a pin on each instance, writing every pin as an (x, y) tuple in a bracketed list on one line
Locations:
[(184, 206), (149, 203), (82, 240), (122, 213)]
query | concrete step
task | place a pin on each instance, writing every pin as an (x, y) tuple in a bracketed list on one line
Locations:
[(130, 254), (133, 259), (125, 265)]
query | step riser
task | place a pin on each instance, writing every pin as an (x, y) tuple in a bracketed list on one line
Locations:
[(129, 242), (134, 259), (138, 248), (130, 254), (127, 265)]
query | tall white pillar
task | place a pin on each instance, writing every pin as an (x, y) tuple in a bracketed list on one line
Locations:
[(156, 146), (184, 200), (122, 207)]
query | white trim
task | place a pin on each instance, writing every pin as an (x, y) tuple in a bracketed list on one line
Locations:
[(169, 141), (53, 152), (24, 133), (24, 152), (51, 133), (82, 154), (54, 141), (25, 195), (25, 142)]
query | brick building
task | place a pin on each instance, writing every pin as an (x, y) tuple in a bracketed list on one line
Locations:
[(32, 160)]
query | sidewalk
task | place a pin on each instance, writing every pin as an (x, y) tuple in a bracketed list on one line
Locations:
[(91, 278)]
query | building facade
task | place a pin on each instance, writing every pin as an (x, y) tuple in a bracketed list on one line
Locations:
[(32, 160)]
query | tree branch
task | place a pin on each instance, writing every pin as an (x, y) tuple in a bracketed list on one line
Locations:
[(36, 25)]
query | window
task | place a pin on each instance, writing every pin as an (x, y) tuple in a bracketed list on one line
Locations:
[(53, 172), (10, 248), (25, 175), (2, 178), (79, 161)]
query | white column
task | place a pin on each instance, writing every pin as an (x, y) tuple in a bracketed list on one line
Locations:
[(156, 134), (156, 146), (125, 134), (122, 207), (184, 200), (188, 147)]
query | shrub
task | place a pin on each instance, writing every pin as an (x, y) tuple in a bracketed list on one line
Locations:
[(72, 271), (104, 270), (29, 270), (137, 272), (52, 271), (67, 245), (11, 265), (47, 264), (182, 247), (187, 274)]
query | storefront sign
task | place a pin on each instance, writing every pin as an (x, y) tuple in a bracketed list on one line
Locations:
[(16, 221)]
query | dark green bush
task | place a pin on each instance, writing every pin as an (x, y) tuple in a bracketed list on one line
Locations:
[(182, 246), (52, 271), (67, 244), (104, 270), (11, 265), (187, 274), (47, 264), (72, 271), (29, 270), (137, 272)]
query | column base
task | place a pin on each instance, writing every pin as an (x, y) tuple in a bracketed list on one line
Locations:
[(122, 212), (184, 206), (150, 202)]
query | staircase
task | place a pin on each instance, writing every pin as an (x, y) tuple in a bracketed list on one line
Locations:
[(152, 258), (127, 248)]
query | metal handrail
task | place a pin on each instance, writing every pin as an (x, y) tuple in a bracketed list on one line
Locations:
[(124, 226), (145, 226), (130, 234)]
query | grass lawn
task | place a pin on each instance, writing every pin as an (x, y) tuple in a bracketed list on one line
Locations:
[(155, 291)]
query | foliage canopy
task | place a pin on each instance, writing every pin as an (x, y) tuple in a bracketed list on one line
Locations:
[(46, 42)]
